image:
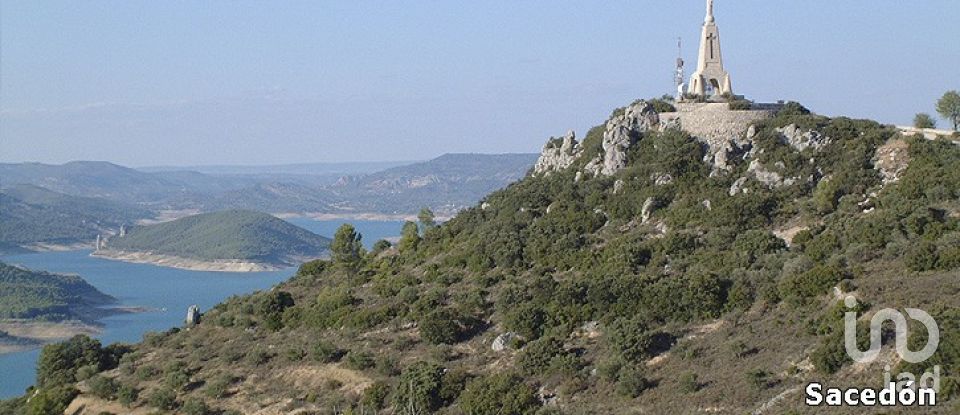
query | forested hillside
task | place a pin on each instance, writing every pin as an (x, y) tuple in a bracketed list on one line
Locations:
[(233, 234), (26, 294), (665, 287), (30, 215)]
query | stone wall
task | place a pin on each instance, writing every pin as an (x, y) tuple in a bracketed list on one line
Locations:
[(929, 133), (714, 122), (723, 130)]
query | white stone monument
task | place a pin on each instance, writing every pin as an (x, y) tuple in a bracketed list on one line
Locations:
[(710, 79)]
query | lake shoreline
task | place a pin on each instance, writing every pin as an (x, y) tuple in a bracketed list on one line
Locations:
[(190, 264), (28, 335)]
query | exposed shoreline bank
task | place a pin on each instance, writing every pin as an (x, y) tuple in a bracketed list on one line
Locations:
[(171, 261), (27, 335)]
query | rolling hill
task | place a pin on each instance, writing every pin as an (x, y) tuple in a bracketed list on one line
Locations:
[(31, 215), (36, 295), (234, 235)]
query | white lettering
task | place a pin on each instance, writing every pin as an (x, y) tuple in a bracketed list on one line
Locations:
[(834, 397), (888, 396), (814, 397), (907, 396), (850, 396)]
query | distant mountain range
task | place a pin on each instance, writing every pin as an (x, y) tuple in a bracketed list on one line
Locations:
[(446, 184), (74, 202)]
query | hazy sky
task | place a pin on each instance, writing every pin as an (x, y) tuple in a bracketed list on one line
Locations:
[(236, 82)]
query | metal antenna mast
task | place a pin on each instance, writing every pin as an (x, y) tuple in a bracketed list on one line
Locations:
[(678, 75)]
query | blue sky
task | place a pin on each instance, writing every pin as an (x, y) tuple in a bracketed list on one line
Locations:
[(237, 82)]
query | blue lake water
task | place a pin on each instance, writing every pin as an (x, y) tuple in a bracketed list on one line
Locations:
[(166, 291)]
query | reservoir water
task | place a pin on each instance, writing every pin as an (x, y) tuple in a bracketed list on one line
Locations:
[(167, 292)]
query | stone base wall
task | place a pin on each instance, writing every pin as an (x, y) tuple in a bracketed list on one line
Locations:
[(714, 122)]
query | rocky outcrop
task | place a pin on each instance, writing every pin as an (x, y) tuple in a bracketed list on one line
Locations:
[(504, 341), (662, 179), (802, 140), (622, 131), (738, 187), (193, 316), (766, 176), (891, 160), (647, 210), (558, 154)]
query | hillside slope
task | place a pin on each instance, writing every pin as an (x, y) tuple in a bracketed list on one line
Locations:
[(26, 294), (226, 235), (634, 276), (32, 215)]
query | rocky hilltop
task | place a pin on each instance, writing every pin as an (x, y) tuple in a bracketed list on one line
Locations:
[(675, 261)]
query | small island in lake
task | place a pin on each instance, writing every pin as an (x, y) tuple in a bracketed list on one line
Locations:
[(232, 240), (39, 307)]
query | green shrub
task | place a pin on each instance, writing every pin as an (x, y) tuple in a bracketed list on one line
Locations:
[(536, 356), (689, 382), (177, 379), (127, 395), (922, 256), (312, 268), (194, 406), (759, 378), (811, 283), (500, 394), (632, 383), (51, 400), (831, 354), (526, 320), (419, 389), (360, 360), (103, 387), (740, 105), (58, 363), (375, 395), (793, 108), (631, 339), (440, 327), (163, 398), (660, 106), (271, 308), (147, 373), (258, 356), (326, 352), (380, 246), (219, 386)]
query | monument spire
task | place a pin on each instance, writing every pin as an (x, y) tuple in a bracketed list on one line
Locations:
[(710, 78)]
